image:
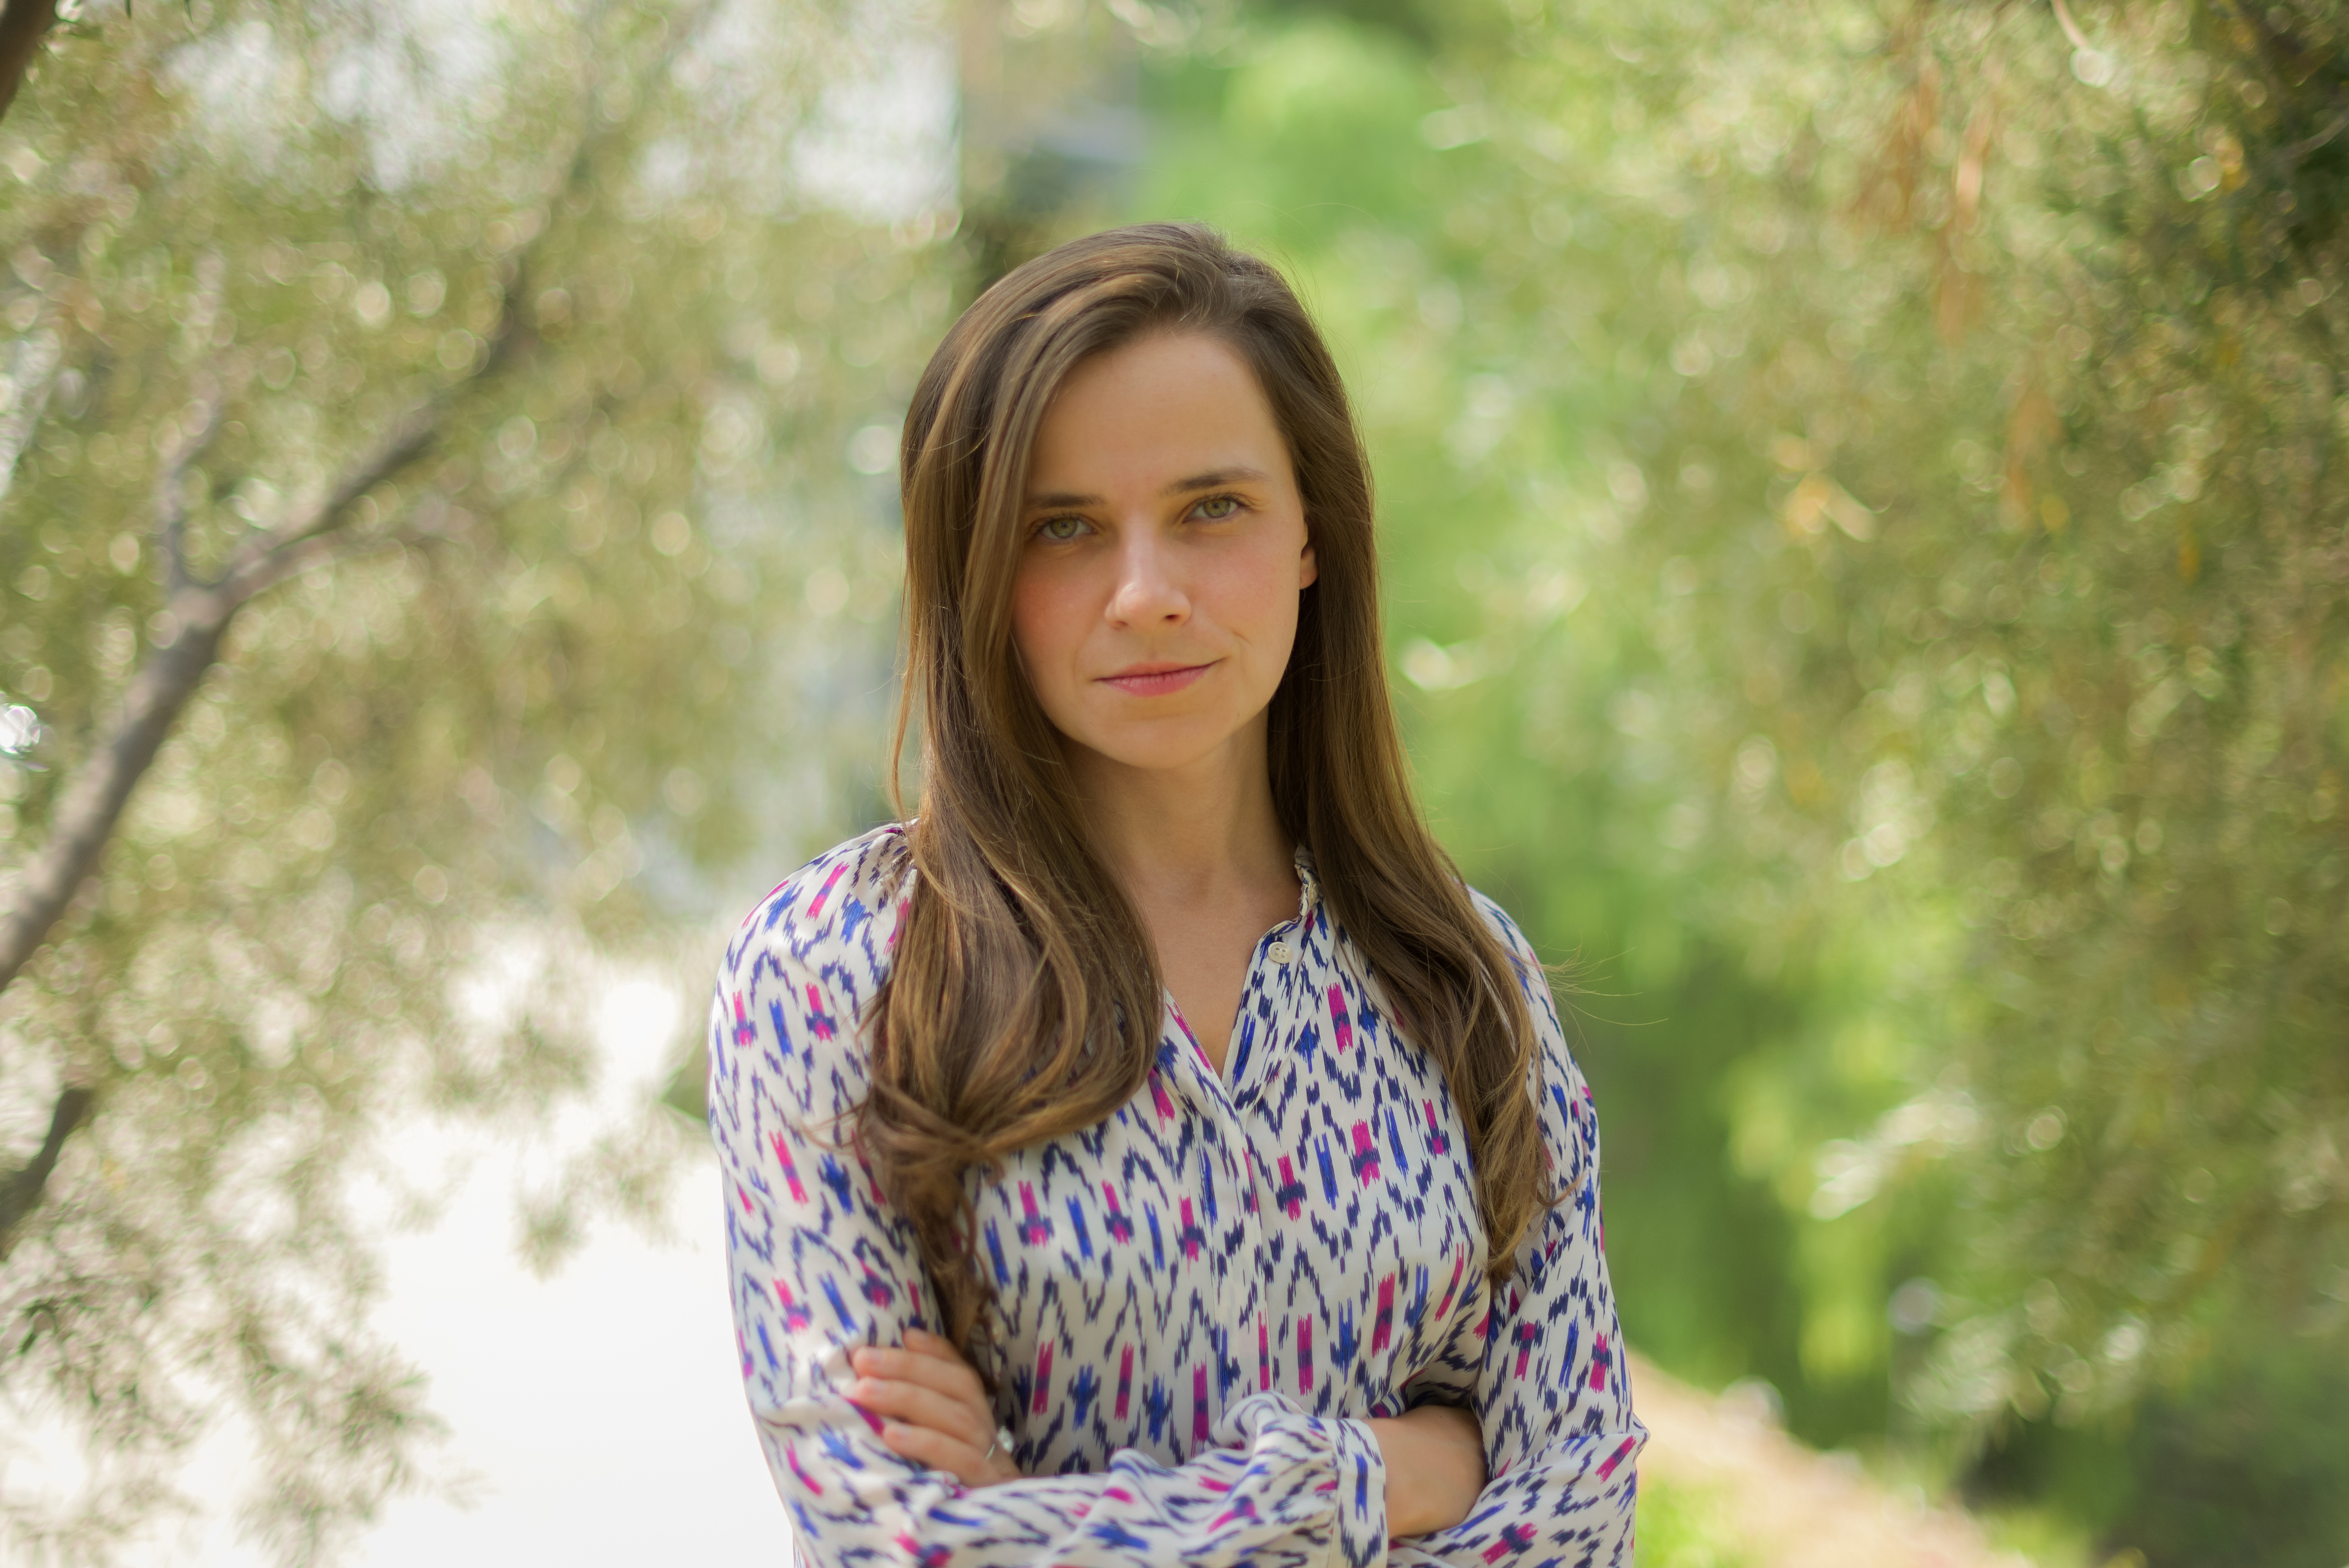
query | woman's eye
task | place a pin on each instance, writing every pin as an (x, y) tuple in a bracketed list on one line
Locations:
[(1061, 530), (1216, 508)]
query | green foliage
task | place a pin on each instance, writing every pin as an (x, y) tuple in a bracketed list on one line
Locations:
[(1682, 1527), (1865, 538), (612, 646), (1550, 803), (1865, 534), (2239, 1462), (2070, 666)]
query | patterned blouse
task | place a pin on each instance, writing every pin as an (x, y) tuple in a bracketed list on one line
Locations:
[(1198, 1301)]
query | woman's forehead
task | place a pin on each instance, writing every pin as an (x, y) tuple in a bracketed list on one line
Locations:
[(1150, 414)]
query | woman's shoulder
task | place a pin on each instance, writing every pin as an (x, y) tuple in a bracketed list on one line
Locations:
[(1533, 974), (836, 917), (1512, 938), (797, 982), (1559, 1087)]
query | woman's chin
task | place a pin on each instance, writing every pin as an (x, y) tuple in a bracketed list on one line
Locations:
[(1168, 747)]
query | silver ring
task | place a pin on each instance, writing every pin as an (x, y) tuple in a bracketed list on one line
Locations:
[(992, 1447)]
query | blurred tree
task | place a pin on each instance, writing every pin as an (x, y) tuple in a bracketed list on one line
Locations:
[(1864, 528), (1335, 145), (1990, 435), (24, 27), (443, 516)]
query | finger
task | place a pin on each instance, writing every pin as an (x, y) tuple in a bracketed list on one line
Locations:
[(949, 1375), (937, 1450), (950, 1378), (927, 1347), (921, 1342), (921, 1407), (974, 1467)]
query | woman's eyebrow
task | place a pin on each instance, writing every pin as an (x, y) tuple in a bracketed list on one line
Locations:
[(1210, 480), (1215, 477)]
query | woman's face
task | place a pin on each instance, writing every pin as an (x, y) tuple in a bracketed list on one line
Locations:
[(1162, 547)]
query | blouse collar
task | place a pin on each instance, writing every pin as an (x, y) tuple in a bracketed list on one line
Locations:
[(1309, 886)]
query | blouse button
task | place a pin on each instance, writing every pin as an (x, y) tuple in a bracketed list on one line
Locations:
[(1281, 952)]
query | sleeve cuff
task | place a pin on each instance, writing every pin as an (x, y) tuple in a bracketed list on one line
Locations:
[(1339, 1475), (1360, 1465)]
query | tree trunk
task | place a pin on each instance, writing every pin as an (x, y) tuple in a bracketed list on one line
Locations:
[(94, 797), (23, 25), (22, 1191)]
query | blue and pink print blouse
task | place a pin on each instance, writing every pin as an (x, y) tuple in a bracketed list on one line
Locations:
[(1198, 1301)]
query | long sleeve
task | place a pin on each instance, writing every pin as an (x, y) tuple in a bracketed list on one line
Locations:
[(819, 1264), (1550, 1389)]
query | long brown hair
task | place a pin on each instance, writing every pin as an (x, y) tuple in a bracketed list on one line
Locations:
[(1024, 999)]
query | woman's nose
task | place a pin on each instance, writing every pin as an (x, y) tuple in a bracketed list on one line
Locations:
[(1147, 592)]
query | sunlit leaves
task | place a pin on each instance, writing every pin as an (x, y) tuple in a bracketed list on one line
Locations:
[(2041, 449), (614, 646), (1934, 418)]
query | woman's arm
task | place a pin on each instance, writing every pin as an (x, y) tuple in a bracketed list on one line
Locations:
[(1550, 1392), (935, 1412), (821, 1265), (1435, 1466)]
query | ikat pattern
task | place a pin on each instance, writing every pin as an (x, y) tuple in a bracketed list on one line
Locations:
[(1199, 1300)]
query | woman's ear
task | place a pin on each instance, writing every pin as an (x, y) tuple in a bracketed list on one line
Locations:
[(1307, 570)]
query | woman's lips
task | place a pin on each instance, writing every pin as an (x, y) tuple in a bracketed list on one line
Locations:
[(1156, 680)]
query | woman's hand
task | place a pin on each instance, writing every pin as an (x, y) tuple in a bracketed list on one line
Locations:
[(933, 1408), (1435, 1466)]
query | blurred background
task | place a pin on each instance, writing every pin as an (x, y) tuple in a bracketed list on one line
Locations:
[(1863, 491)]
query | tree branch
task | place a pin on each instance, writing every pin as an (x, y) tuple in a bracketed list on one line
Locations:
[(93, 798), (170, 494), (92, 803), (323, 549), (271, 557), (2300, 150), (23, 25), (2071, 29), (21, 1192)]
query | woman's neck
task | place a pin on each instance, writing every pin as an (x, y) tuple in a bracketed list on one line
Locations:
[(1177, 837), (1200, 852)]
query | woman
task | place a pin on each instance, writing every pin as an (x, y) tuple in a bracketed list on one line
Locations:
[(1151, 1152)]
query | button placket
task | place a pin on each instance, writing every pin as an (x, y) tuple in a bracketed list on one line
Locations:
[(1245, 1303), (1211, 1100), (1251, 1313), (1252, 1218), (1284, 948)]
